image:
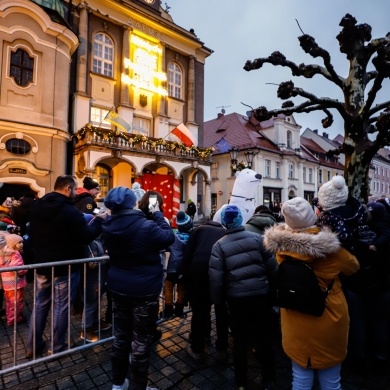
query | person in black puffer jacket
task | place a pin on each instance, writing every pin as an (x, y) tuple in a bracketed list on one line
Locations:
[(240, 272), (196, 279), (135, 278)]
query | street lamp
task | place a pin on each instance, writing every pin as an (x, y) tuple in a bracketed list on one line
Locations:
[(233, 159), (249, 157)]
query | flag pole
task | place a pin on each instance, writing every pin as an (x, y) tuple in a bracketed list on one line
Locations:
[(108, 113), (170, 131)]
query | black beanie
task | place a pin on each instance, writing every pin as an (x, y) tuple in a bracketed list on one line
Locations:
[(89, 183)]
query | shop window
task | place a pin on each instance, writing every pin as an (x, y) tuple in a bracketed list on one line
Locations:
[(22, 67), (18, 146), (103, 55), (175, 81)]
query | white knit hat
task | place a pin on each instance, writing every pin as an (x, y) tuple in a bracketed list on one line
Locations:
[(139, 192), (333, 193), (298, 213)]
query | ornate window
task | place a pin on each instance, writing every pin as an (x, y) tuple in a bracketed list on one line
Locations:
[(22, 67), (291, 171), (267, 168), (97, 117), (103, 55), (17, 146), (175, 80), (141, 126), (310, 175), (289, 139), (277, 173)]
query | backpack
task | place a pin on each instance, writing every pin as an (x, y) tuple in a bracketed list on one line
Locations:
[(297, 288)]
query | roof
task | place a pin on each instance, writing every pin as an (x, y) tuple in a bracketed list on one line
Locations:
[(312, 146), (238, 131)]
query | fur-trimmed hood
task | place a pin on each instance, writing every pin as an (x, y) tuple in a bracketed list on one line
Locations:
[(313, 242)]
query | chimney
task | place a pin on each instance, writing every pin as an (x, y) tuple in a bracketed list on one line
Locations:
[(325, 135), (220, 115), (315, 131)]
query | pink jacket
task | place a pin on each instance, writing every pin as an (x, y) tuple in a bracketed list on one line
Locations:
[(12, 258)]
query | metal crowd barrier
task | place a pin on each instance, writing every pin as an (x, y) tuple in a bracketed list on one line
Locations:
[(17, 339)]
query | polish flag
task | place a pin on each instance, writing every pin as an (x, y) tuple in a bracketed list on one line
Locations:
[(184, 135)]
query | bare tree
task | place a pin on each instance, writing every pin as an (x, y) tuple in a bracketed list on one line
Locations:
[(361, 117)]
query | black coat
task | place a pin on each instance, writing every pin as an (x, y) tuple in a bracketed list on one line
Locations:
[(59, 231), (191, 209), (85, 203), (197, 255)]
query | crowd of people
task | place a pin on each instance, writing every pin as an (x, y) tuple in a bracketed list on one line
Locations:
[(343, 240)]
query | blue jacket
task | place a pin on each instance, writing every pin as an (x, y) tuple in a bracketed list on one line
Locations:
[(175, 266), (134, 243)]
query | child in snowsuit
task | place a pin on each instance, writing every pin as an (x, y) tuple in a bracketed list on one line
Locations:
[(175, 267), (10, 257)]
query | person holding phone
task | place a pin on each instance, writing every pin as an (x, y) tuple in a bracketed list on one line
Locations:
[(86, 195), (134, 242)]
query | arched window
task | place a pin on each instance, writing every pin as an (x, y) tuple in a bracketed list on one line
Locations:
[(289, 139), (175, 80), (22, 66), (103, 55)]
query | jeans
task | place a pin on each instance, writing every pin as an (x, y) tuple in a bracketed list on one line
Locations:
[(134, 328), (43, 303), (92, 294), (303, 378)]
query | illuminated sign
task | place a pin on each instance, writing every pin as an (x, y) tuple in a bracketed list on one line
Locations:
[(143, 69)]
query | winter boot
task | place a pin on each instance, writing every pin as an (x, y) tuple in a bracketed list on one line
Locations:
[(168, 311), (179, 310)]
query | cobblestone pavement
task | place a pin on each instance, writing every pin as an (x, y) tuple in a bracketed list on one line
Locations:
[(171, 366)]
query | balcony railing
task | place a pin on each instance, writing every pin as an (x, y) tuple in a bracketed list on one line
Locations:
[(116, 139)]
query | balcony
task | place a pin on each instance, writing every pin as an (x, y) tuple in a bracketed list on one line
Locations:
[(90, 136)]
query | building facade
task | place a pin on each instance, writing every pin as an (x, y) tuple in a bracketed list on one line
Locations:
[(288, 168), (107, 109), (35, 66)]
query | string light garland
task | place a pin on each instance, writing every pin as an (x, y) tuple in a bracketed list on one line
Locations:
[(138, 138)]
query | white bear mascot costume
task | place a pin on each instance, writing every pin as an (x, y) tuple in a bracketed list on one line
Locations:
[(243, 194)]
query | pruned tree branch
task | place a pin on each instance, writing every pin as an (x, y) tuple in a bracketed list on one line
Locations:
[(378, 107), (361, 118), (310, 46)]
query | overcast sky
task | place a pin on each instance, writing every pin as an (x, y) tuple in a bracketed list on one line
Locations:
[(247, 29)]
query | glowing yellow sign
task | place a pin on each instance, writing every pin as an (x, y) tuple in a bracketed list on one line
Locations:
[(144, 67)]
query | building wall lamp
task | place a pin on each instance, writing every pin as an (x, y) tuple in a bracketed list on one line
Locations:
[(233, 159), (249, 155)]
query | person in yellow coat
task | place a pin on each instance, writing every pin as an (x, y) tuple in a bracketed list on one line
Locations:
[(314, 344)]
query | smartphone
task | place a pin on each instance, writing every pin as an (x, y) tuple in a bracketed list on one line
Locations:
[(96, 211), (152, 201)]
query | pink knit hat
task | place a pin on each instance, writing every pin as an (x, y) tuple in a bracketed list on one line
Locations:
[(12, 240)]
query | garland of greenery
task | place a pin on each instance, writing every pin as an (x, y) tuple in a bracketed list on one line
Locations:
[(138, 138)]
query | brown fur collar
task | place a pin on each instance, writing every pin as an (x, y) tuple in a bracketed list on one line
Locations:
[(312, 242)]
